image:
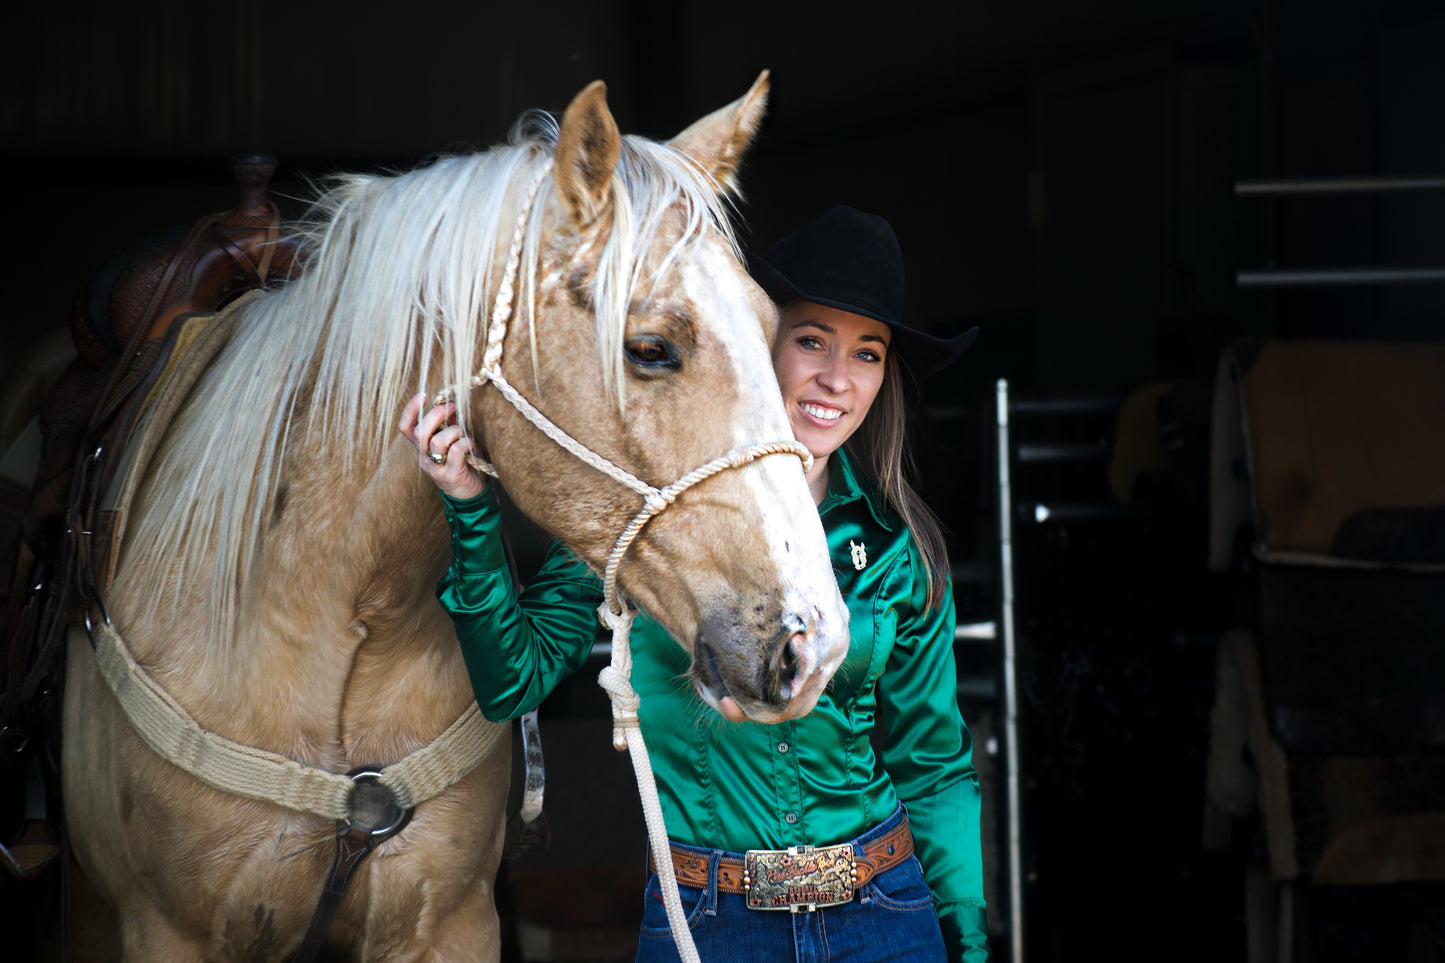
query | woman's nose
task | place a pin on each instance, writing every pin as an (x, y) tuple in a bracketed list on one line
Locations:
[(833, 375)]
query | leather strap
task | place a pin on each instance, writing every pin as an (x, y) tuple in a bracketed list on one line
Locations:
[(879, 854), (352, 845), (376, 816)]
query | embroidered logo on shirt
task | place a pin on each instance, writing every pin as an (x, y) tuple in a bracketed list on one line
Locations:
[(860, 554)]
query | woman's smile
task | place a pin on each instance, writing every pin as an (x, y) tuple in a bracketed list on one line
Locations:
[(829, 364), (825, 414)]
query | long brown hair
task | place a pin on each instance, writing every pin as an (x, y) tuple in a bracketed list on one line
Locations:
[(880, 448)]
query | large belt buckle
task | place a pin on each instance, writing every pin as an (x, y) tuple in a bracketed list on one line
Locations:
[(800, 878)]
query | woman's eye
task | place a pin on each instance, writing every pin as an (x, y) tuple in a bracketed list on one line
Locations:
[(869, 356), (651, 351), (809, 342)]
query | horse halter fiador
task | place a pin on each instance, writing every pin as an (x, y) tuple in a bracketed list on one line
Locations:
[(654, 500)]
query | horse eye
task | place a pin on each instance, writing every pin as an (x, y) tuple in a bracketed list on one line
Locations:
[(650, 351)]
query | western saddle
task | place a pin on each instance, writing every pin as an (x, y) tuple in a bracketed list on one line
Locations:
[(53, 541)]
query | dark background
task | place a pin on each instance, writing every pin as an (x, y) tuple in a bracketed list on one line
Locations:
[(1059, 173)]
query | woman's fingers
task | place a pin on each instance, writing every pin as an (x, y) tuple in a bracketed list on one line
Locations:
[(441, 447), (432, 419), (444, 439), (451, 473), (409, 416)]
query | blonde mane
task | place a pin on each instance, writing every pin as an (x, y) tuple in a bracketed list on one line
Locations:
[(399, 281)]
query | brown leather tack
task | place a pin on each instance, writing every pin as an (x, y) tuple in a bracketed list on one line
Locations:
[(879, 854)]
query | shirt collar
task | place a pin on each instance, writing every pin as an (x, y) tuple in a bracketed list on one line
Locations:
[(846, 485)]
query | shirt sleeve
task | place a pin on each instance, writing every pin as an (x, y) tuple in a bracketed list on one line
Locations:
[(928, 754), (516, 649)]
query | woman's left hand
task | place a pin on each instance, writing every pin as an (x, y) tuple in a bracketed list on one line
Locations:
[(441, 448)]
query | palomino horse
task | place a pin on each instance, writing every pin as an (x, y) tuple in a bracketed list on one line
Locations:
[(277, 573)]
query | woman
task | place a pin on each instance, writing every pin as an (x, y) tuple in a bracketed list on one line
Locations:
[(730, 787)]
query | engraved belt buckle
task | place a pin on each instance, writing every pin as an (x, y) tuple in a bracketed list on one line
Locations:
[(799, 879)]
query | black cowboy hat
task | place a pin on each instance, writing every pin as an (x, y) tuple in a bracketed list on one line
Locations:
[(850, 260)]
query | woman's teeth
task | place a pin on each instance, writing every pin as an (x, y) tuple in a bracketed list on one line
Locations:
[(827, 414)]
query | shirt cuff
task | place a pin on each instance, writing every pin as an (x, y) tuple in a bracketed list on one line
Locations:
[(965, 931), (476, 526)]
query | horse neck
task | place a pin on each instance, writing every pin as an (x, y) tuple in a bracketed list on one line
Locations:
[(362, 549), (342, 612)]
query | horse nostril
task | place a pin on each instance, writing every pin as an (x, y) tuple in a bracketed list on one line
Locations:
[(793, 659), (788, 667), (704, 662)]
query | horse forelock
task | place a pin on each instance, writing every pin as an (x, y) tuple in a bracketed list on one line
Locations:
[(654, 188), (399, 282)]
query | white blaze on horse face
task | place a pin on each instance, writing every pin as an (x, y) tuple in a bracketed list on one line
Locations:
[(813, 614)]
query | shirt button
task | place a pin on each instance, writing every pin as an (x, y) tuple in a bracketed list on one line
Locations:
[(790, 818), (783, 747)]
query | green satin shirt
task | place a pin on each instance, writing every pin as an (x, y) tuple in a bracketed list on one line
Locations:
[(739, 786)]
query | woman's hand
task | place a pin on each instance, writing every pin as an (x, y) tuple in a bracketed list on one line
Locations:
[(441, 448)]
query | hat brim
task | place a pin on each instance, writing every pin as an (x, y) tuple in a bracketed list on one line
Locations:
[(925, 354)]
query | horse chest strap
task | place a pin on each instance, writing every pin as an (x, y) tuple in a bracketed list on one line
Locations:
[(374, 808), (376, 816)]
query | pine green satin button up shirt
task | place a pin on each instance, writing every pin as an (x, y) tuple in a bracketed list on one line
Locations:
[(740, 786)]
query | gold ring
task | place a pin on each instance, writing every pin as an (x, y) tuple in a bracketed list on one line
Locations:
[(437, 459)]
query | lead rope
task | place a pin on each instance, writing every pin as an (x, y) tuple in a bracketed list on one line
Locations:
[(614, 612), (627, 735)]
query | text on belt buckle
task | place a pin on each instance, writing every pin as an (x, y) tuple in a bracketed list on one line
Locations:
[(800, 878)]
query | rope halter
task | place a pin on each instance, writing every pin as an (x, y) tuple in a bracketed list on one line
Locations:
[(654, 499)]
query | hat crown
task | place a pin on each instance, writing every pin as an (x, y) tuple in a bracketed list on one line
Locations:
[(852, 261), (846, 259)]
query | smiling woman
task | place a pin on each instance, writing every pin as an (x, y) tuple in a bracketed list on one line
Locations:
[(830, 364)]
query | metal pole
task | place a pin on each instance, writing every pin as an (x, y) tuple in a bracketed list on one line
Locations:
[(1337, 277), (1279, 187), (1010, 689), (1063, 405)]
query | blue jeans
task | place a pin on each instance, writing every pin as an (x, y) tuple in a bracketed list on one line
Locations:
[(891, 918)]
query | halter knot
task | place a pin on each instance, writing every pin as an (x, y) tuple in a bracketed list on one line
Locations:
[(625, 699), (617, 621), (616, 677)]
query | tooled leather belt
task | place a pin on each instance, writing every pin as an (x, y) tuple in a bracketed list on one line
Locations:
[(784, 879)]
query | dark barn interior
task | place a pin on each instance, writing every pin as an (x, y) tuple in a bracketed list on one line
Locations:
[(1147, 207)]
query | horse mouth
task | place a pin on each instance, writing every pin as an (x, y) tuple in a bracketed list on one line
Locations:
[(788, 687)]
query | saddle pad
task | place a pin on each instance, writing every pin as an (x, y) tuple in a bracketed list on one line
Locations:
[(1334, 451), (198, 339)]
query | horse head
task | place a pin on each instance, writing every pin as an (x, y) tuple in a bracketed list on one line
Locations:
[(640, 334)]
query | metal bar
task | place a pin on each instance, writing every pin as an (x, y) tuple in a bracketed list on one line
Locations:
[(1080, 405), (1063, 451), (978, 688), (1337, 277), (1010, 691), (975, 631), (1282, 186), (1041, 513)]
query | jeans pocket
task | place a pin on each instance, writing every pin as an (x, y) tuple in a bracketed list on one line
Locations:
[(654, 911), (901, 888)]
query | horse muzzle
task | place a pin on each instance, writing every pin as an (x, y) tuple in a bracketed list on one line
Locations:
[(777, 679)]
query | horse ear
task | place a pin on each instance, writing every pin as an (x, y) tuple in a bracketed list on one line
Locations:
[(718, 141), (587, 149)]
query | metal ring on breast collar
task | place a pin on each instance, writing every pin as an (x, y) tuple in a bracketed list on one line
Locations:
[(655, 500)]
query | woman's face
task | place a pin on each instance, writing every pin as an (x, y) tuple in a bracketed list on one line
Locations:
[(829, 363)]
